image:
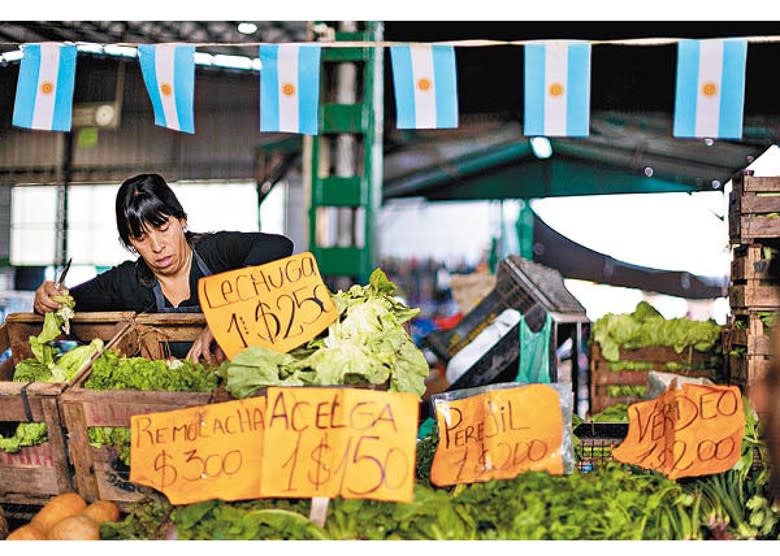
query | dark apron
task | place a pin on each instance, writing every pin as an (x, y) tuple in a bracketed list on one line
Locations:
[(179, 349)]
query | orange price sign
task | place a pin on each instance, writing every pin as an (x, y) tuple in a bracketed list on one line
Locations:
[(348, 442), (200, 453), (498, 435), (279, 305), (696, 430)]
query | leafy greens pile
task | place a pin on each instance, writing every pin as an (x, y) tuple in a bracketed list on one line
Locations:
[(647, 327), (27, 434), (113, 371), (366, 344), (612, 502), (44, 366)]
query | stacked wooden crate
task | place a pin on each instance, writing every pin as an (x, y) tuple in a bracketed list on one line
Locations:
[(99, 473), (35, 473), (754, 297), (689, 362)]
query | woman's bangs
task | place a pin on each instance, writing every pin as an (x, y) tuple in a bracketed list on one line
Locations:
[(145, 211)]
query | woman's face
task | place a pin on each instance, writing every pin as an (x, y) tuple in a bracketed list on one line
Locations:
[(163, 248)]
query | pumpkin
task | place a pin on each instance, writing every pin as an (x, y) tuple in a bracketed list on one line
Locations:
[(57, 509), (101, 511), (26, 533), (75, 528)]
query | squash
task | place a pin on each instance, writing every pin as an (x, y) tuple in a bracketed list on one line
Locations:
[(57, 509), (26, 533), (75, 528), (101, 511)]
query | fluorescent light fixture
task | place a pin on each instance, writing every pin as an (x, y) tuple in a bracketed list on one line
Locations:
[(125, 51), (247, 28), (256, 64), (235, 62), (203, 59), (541, 147), (12, 56), (90, 47)]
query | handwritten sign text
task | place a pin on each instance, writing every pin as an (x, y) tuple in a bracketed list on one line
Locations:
[(199, 453), (498, 435), (352, 443), (694, 431), (278, 305)]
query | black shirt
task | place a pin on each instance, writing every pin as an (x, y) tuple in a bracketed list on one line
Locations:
[(128, 286)]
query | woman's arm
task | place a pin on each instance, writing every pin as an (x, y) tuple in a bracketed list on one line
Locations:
[(225, 251), (103, 292)]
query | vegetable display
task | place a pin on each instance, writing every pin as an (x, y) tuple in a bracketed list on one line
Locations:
[(612, 502), (47, 365), (366, 344), (67, 516), (114, 371), (647, 327)]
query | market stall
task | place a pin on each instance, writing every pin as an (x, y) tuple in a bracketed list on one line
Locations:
[(318, 424)]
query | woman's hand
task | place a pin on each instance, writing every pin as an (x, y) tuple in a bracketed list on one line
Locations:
[(201, 349), (43, 302)]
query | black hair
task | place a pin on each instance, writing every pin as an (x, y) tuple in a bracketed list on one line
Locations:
[(145, 199)]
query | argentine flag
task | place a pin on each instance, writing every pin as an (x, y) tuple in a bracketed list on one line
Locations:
[(44, 92), (169, 75), (289, 87), (710, 95), (557, 89), (425, 84)]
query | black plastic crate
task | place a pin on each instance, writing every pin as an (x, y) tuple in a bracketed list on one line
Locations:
[(507, 294), (596, 441), (530, 288)]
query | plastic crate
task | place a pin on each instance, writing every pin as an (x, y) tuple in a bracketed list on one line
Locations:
[(596, 442), (530, 288)]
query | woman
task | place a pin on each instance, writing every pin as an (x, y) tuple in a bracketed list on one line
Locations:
[(163, 279)]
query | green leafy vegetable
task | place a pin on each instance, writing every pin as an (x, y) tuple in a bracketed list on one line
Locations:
[(27, 434), (112, 371), (118, 437), (366, 344), (44, 368), (646, 327)]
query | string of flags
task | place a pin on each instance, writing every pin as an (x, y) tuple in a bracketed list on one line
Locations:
[(709, 99)]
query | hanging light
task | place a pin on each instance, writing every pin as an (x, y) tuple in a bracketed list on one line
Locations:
[(247, 28), (542, 147)]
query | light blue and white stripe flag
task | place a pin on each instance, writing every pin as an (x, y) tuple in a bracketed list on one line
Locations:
[(710, 97), (169, 75), (289, 88), (44, 92), (425, 84), (557, 89)]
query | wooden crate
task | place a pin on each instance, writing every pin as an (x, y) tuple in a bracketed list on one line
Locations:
[(746, 370), (601, 377), (754, 294), (749, 263), (35, 473), (99, 474), (750, 212), (752, 335)]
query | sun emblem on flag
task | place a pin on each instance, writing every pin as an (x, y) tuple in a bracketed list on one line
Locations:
[(47, 87), (709, 89), (288, 89), (166, 89), (556, 89), (424, 84)]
